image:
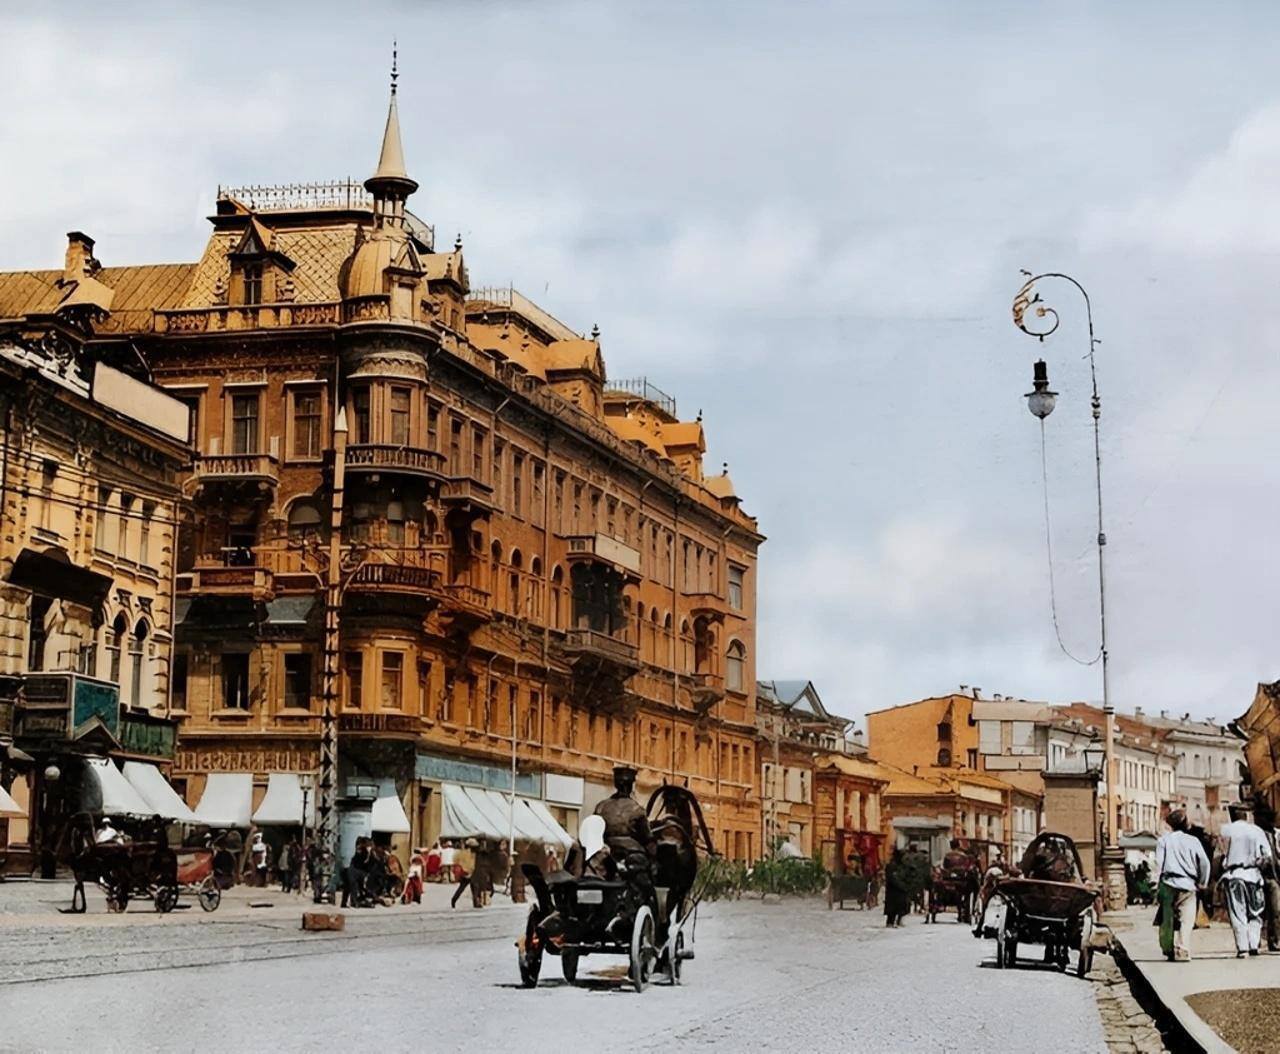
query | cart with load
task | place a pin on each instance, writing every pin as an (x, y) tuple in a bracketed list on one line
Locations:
[(1049, 903), (642, 906)]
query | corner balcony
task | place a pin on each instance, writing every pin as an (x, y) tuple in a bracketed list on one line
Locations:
[(260, 470), (467, 496), (379, 458), (601, 549), (602, 650), (395, 578)]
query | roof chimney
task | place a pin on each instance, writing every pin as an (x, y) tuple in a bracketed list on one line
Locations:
[(79, 261), (1137, 711), (977, 693)]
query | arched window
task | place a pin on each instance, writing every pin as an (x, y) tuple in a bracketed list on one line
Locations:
[(115, 641), (736, 667), (304, 521), (136, 644)]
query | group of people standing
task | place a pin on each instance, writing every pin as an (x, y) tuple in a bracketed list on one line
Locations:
[(1245, 867)]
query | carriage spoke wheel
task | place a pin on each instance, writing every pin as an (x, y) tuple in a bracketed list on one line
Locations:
[(165, 897), (677, 959), (530, 956), (209, 895), (643, 952), (115, 884), (1006, 943)]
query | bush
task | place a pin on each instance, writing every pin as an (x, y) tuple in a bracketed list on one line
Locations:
[(720, 878)]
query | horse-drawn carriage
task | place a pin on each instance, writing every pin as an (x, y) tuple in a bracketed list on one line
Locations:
[(1049, 902), (645, 907), (954, 886), (134, 861)]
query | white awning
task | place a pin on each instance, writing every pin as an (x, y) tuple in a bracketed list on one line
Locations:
[(109, 793), (492, 808), (282, 804), (227, 800), (150, 783), (557, 832), (389, 816), (9, 807), (461, 818)]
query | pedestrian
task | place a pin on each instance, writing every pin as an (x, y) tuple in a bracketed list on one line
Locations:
[(260, 854), (449, 862), (284, 867), (1266, 819), (1244, 850), (295, 865), (897, 890), (413, 883), (465, 880), (1183, 868)]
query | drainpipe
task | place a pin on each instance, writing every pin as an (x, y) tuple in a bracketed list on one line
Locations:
[(675, 606)]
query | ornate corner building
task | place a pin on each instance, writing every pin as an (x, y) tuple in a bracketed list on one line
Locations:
[(527, 572)]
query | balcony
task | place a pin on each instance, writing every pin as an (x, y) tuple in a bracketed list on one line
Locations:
[(231, 580), (707, 605), (262, 470), (224, 318), (467, 496), (601, 648), (467, 604), (707, 690), (600, 548), (402, 460), (395, 578)]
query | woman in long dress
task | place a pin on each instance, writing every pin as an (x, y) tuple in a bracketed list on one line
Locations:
[(897, 890)]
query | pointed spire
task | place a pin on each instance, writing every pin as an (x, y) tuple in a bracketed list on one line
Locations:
[(391, 182)]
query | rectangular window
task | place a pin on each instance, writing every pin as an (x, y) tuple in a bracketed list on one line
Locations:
[(1024, 737), (354, 664), (400, 416), (144, 533), (478, 439), (360, 423), (577, 508), (235, 681), (392, 680), (306, 424), (192, 403), (735, 588), (517, 484), (455, 447), (611, 522), (253, 283), (297, 680), (595, 511), (989, 737), (48, 474), (433, 427), (101, 537), (499, 456), (557, 503), (179, 687), (128, 503), (244, 423), (539, 493)]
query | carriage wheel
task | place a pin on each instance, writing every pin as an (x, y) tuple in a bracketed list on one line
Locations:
[(209, 895), (1006, 943), (569, 966), (530, 954), (165, 897), (1085, 963), (677, 959), (115, 884), (643, 952)]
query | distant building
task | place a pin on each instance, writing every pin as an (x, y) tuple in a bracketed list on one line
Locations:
[(1210, 764)]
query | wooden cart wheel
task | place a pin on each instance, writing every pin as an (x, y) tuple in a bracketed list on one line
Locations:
[(1085, 963), (677, 959), (1006, 942), (569, 966), (166, 898), (115, 884), (643, 951), (209, 895), (530, 952)]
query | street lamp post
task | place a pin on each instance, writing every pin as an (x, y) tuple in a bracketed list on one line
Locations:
[(1041, 401)]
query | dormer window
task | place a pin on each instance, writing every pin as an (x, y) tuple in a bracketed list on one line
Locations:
[(253, 283)]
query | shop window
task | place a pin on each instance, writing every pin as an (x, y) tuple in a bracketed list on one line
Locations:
[(235, 681), (400, 416), (244, 423), (392, 680), (354, 664), (306, 424), (297, 680)]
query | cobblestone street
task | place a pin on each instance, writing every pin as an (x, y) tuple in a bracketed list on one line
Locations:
[(781, 977)]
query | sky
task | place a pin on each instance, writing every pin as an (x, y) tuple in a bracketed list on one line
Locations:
[(808, 221)]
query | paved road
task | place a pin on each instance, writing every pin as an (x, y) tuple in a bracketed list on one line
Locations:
[(782, 977)]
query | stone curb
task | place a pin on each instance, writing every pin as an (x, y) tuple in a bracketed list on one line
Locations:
[(1184, 1031)]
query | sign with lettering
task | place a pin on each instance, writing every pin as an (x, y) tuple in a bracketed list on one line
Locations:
[(398, 723), (154, 737), (193, 758), (453, 770), (42, 724)]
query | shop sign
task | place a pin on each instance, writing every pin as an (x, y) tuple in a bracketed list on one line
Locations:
[(393, 723), (565, 790), (246, 759), (42, 724), (91, 699), (154, 738), (456, 770)]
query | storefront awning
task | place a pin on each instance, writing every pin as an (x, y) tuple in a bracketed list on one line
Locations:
[(52, 574), (389, 816), (460, 818), (557, 832), (282, 805), (154, 789), (108, 793), (227, 800), (9, 807)]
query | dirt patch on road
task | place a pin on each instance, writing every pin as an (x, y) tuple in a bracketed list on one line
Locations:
[(1244, 1017)]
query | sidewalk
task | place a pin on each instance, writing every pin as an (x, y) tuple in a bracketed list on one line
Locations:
[(1213, 968)]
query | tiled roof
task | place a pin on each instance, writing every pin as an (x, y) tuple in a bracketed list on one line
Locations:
[(138, 291), (318, 254)]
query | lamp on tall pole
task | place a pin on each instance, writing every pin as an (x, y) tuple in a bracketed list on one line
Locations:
[(1041, 402)]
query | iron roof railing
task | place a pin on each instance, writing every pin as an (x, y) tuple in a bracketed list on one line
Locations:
[(650, 392)]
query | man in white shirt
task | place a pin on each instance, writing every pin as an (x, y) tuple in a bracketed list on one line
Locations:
[(1243, 849), (1181, 867)]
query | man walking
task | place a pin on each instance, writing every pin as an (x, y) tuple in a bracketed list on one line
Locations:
[(1266, 819), (1244, 851), (1181, 867)]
